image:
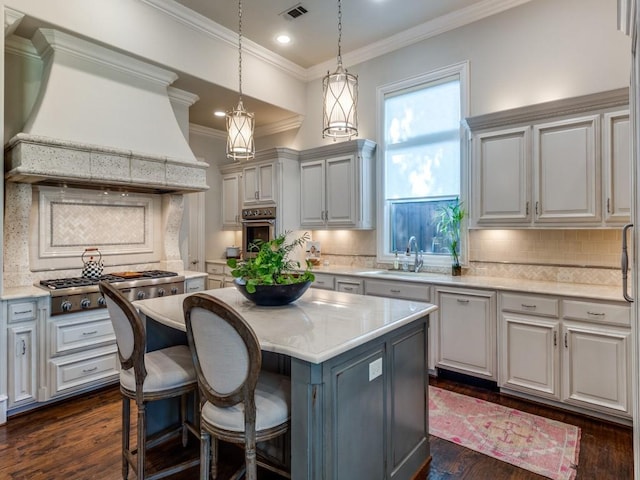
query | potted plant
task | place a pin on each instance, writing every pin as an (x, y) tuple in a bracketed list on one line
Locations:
[(271, 277), (450, 218)]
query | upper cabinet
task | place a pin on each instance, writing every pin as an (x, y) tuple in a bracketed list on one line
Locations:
[(616, 166), (259, 184), (559, 164), (231, 203), (272, 178), (337, 186)]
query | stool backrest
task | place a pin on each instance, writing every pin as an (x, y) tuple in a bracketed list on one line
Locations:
[(129, 330), (226, 352)]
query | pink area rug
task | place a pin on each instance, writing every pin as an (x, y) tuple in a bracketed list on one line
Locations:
[(535, 443)]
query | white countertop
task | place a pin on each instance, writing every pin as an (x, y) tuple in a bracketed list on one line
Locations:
[(318, 326), (579, 290)]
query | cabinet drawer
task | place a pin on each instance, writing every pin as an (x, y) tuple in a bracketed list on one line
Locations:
[(215, 268), (409, 291), (532, 305), (22, 311), (324, 281), (72, 372), (349, 286), (194, 284), (78, 334), (597, 312)]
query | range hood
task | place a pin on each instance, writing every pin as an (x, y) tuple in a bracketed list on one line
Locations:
[(102, 119)]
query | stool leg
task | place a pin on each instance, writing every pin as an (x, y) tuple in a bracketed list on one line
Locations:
[(183, 419), (205, 454), (126, 431), (214, 458), (142, 433)]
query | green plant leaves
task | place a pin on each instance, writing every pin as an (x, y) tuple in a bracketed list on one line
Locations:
[(272, 265)]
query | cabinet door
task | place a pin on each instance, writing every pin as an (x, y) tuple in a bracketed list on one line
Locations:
[(250, 185), (501, 176), (596, 371), (266, 183), (258, 183), (312, 193), (231, 201), (567, 177), (616, 163), (466, 332), (529, 355), (22, 365), (341, 191)]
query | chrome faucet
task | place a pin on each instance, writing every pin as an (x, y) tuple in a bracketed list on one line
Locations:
[(417, 264)]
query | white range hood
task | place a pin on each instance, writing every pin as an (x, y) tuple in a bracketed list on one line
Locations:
[(102, 118)]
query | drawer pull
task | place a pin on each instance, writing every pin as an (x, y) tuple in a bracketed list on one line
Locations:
[(601, 314), (394, 290), (320, 282), (92, 332), (23, 312), (462, 300), (89, 370), (348, 289), (525, 305)]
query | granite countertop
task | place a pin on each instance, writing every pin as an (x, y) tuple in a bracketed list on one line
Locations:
[(29, 291), (318, 326), (580, 290), (191, 274)]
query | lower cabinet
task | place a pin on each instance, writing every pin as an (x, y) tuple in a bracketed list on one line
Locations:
[(218, 275), (195, 284), (324, 281), (23, 361), (81, 352), (596, 372), (24, 319), (376, 398), (570, 351), (349, 285), (465, 329)]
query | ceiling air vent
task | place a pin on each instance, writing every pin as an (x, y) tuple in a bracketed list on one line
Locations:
[(294, 12)]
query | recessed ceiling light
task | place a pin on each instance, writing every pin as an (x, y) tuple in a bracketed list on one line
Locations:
[(219, 113), (283, 39)]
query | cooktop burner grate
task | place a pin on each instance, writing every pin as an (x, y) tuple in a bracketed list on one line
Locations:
[(57, 283)]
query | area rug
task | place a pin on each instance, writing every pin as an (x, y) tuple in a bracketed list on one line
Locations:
[(535, 443)]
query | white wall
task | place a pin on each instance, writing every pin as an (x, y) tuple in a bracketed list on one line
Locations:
[(540, 51)]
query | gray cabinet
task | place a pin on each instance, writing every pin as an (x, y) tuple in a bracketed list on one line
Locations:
[(361, 403)]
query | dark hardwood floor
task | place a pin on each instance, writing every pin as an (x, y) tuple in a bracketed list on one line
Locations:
[(80, 440)]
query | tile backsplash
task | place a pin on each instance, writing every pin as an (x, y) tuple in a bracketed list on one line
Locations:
[(578, 256)]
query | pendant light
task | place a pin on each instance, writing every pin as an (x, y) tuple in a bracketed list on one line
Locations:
[(240, 123), (340, 97)]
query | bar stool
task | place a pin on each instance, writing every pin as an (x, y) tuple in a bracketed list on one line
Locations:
[(147, 377), (238, 403)]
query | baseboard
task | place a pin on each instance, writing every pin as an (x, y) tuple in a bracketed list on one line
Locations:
[(467, 379)]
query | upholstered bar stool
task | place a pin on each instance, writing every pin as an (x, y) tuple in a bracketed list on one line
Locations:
[(147, 377), (239, 403)]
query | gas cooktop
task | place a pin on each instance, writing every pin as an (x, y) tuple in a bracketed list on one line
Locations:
[(58, 283)]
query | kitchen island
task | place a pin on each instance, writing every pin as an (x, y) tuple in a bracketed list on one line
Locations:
[(359, 380)]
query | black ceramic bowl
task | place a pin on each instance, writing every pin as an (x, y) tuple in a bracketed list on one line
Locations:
[(273, 295)]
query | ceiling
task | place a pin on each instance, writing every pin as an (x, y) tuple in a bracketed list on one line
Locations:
[(366, 26), (314, 37)]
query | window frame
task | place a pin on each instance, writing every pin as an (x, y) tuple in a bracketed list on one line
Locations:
[(460, 70)]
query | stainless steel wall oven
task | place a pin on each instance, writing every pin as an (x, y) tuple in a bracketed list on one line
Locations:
[(257, 224)]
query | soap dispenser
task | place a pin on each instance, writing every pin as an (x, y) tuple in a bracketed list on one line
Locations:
[(396, 262)]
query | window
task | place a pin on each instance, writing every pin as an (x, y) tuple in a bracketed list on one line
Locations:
[(421, 159)]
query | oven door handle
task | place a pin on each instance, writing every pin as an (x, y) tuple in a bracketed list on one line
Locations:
[(265, 220)]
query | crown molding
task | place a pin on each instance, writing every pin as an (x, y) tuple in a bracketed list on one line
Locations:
[(280, 126), (182, 96), (21, 46), (207, 132), (12, 19), (202, 24), (47, 41), (417, 34)]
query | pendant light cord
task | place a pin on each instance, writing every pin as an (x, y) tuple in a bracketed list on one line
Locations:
[(339, 32), (240, 49)]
